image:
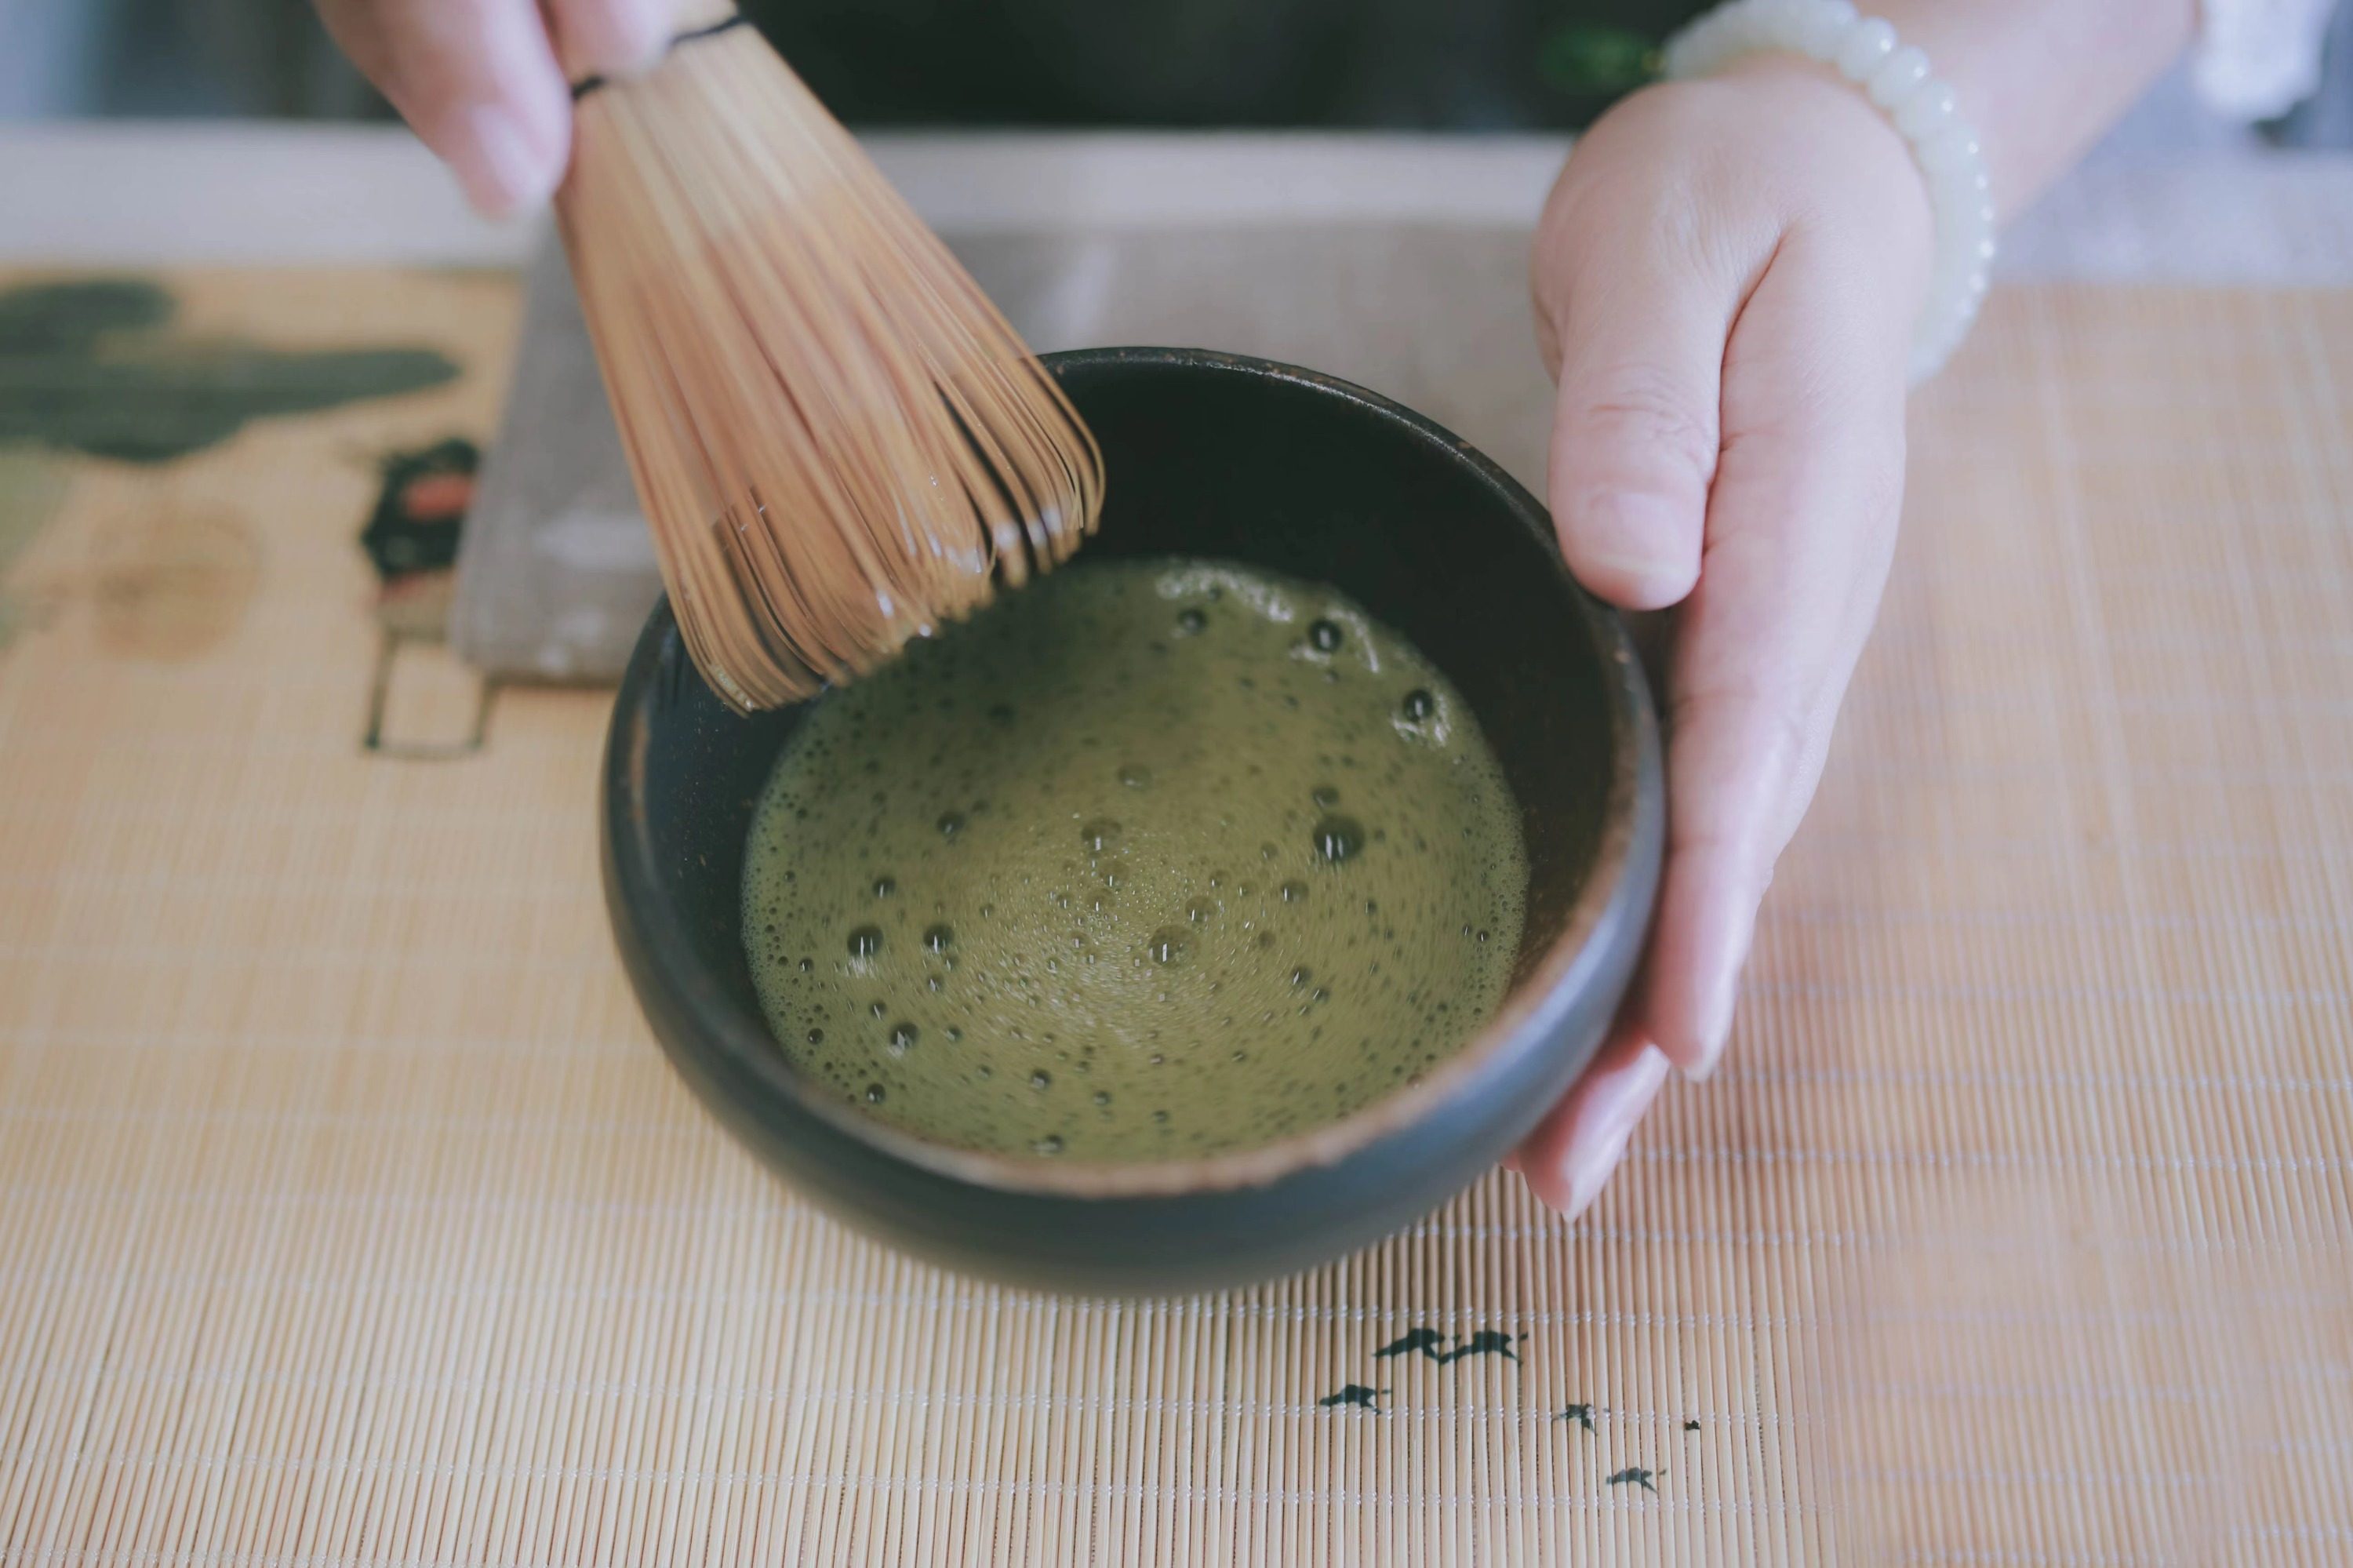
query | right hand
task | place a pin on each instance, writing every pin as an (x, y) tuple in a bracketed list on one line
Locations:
[(484, 83)]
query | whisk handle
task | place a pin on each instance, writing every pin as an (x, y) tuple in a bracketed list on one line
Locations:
[(692, 20)]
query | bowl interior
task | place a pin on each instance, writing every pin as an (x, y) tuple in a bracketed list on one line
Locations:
[(1233, 459)]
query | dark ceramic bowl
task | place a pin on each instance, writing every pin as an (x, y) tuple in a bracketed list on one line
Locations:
[(1208, 455)]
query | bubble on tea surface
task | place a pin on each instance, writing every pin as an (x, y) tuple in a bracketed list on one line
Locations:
[(865, 941), (1336, 839)]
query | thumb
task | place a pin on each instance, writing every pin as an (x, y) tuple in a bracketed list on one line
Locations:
[(1640, 332)]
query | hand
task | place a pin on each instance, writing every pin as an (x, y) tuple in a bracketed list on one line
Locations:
[(1725, 280), (480, 81)]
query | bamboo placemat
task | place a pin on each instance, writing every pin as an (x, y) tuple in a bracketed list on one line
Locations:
[(348, 1215)]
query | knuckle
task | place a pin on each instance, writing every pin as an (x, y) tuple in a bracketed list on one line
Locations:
[(1774, 727), (1643, 416)]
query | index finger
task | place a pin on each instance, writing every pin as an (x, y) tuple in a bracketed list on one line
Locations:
[(1801, 523)]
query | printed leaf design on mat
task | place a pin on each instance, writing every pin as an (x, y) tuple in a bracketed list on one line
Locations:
[(89, 367), (1580, 1413), (32, 484), (1486, 1343), (1355, 1393), (1634, 1475), (1425, 1341), (1690, 1425)]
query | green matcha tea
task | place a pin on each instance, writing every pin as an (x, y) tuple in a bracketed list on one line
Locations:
[(1147, 860)]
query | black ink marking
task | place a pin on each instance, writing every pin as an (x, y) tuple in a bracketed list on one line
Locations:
[(1425, 1341), (1485, 1342), (1580, 1413), (1355, 1393), (1637, 1476), (92, 370), (415, 526)]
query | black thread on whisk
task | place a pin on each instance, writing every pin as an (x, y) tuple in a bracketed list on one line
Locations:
[(588, 84)]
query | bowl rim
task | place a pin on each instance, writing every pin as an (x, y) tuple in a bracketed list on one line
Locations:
[(1522, 1024)]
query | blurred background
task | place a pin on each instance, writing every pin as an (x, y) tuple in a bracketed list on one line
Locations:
[(1469, 65)]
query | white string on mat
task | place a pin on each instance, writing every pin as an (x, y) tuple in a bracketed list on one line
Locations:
[(1896, 78)]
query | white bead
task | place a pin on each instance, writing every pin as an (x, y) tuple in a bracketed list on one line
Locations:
[(1711, 47), (1928, 110), (1898, 75), (1738, 30), (1954, 147), (1870, 42), (1767, 25), (1953, 188), (1821, 29)]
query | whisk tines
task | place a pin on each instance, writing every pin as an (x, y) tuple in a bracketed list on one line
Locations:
[(837, 441)]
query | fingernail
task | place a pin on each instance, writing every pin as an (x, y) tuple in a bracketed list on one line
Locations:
[(1715, 1032), (1592, 1170), (1606, 1123), (1636, 538), (629, 39), (504, 176), (644, 39)]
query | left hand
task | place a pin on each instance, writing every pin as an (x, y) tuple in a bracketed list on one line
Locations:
[(1725, 280)]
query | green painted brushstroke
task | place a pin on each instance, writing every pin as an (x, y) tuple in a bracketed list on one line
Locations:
[(86, 366)]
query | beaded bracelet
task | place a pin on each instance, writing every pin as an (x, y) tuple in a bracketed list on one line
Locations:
[(1865, 51)]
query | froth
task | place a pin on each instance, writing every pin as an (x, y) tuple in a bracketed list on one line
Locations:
[(1150, 859)]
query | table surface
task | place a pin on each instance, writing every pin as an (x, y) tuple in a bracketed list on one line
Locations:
[(348, 1213)]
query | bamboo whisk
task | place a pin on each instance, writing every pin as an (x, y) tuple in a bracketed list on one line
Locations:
[(838, 440)]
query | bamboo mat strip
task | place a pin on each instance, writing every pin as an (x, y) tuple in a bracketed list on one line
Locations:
[(347, 1213)]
